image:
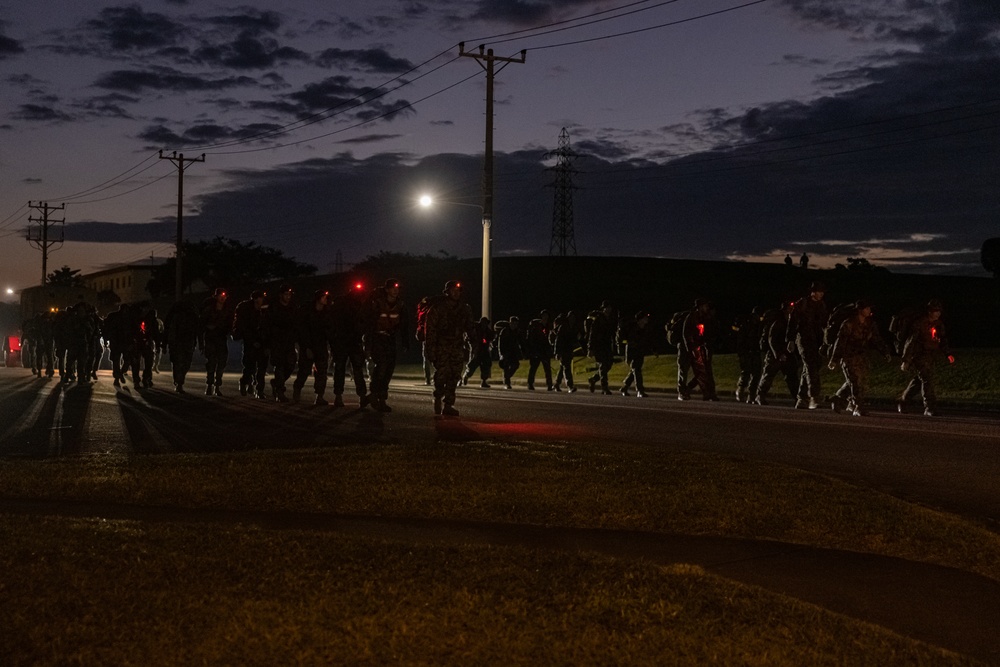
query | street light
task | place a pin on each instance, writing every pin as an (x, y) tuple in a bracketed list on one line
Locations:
[(428, 201)]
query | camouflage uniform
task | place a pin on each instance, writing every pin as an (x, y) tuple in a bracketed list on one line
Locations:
[(509, 348), (697, 329), (539, 350), (927, 339), (856, 335), (601, 344), (748, 352), (386, 322), (449, 326), (180, 332), (777, 358), (216, 323), (805, 333), (637, 337)]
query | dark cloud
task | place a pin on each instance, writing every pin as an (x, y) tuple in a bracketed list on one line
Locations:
[(376, 60), (110, 232), (163, 78), (9, 47), (204, 134), (343, 96), (133, 29), (108, 106), (40, 113), (370, 139), (250, 21), (248, 52), (517, 12)]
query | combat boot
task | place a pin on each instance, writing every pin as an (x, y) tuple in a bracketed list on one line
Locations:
[(741, 396), (296, 393), (320, 400), (209, 390), (484, 385), (449, 411), (624, 391), (338, 401), (218, 390), (244, 389)]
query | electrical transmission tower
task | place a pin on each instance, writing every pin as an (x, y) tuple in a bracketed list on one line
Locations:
[(40, 239), (563, 240)]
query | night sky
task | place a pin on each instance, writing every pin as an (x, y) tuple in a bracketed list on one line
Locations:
[(709, 129)]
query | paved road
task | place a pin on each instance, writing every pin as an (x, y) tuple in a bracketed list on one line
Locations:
[(950, 462), (947, 462)]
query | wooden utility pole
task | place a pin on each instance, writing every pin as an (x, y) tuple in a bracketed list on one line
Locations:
[(181, 163), (488, 62), (41, 240)]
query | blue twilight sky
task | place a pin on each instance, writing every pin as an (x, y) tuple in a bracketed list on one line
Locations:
[(705, 129)]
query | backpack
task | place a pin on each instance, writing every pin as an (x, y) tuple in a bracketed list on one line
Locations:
[(675, 328), (424, 307), (835, 320), (767, 320), (901, 326)]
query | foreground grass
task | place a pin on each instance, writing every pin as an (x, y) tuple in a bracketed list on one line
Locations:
[(117, 592), (974, 378), (578, 485)]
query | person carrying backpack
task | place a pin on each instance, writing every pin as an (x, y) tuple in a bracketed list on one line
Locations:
[(697, 332), (748, 352), (805, 334), (925, 342), (855, 336), (636, 336), (777, 358)]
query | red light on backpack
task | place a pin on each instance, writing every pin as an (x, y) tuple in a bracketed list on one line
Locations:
[(358, 286), (701, 329), (934, 333)]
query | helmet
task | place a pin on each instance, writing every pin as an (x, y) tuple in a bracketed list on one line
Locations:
[(935, 305)]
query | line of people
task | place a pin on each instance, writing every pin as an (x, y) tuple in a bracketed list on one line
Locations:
[(327, 336)]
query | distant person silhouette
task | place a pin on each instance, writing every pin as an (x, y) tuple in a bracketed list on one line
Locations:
[(788, 260), (804, 261)]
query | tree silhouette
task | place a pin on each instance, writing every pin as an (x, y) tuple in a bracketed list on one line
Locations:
[(224, 262), (65, 277)]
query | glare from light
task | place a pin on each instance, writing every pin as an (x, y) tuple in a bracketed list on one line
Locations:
[(10, 291), (426, 201)]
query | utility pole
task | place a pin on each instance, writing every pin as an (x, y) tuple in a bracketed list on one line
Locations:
[(181, 162), (41, 239), (563, 238), (488, 61)]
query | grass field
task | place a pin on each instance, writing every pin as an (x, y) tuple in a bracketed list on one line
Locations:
[(974, 379), (89, 591)]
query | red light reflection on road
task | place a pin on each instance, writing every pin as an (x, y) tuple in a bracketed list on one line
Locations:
[(458, 429)]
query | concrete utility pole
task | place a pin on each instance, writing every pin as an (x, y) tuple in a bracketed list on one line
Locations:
[(41, 239), (488, 61), (181, 163)]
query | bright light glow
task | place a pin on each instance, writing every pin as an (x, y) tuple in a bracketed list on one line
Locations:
[(426, 201), (10, 291)]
